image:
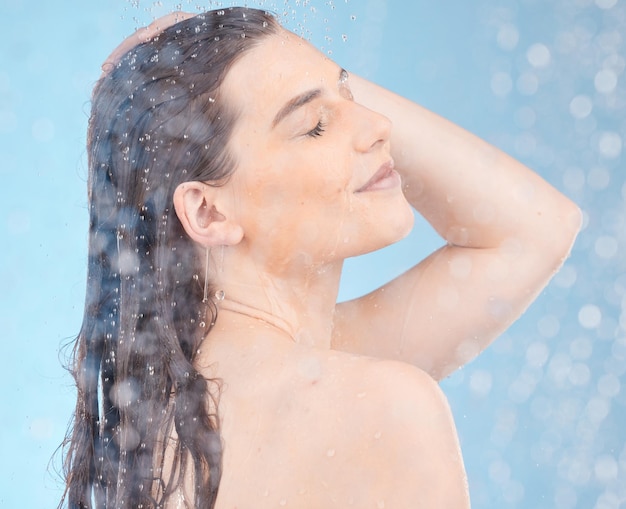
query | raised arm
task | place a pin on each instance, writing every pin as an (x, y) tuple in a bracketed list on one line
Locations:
[(507, 232)]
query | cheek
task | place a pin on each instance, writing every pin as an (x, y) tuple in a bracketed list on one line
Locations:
[(334, 176), (301, 183), (296, 204)]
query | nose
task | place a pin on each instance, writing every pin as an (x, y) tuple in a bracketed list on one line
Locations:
[(373, 129)]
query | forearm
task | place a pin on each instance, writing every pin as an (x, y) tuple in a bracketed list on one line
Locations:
[(507, 232), (473, 194)]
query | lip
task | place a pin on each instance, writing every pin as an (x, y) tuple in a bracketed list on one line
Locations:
[(385, 178)]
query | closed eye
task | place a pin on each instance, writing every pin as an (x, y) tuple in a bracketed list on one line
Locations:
[(317, 130)]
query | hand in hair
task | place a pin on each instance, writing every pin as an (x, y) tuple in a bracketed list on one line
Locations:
[(142, 35)]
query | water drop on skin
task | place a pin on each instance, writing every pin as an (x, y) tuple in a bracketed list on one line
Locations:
[(330, 453)]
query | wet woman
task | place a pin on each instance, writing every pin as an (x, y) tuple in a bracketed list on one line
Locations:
[(232, 169)]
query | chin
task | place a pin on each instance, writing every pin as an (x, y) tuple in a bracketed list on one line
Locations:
[(397, 221), (377, 226), (402, 227), (391, 229)]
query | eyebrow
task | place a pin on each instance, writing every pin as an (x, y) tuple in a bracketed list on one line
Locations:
[(295, 103), (300, 100)]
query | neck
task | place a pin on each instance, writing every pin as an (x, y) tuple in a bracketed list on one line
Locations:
[(299, 304), (281, 325)]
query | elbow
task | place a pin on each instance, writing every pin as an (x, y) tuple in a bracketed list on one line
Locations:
[(559, 238), (570, 224)]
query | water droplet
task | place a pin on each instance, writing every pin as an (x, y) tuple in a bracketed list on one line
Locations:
[(589, 316), (610, 145), (605, 81), (538, 55), (606, 247), (220, 295), (606, 469), (480, 382), (330, 453), (527, 83), (501, 83), (508, 37), (580, 106)]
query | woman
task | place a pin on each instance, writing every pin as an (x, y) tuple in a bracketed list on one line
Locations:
[(233, 168)]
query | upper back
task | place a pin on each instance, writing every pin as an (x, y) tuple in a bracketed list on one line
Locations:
[(312, 428)]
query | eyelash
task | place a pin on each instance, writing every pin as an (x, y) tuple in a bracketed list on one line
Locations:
[(317, 130)]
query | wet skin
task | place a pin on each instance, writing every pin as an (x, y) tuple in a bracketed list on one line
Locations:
[(306, 425)]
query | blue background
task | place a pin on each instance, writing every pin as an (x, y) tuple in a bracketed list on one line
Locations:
[(542, 413)]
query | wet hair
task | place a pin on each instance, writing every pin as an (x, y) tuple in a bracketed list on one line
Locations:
[(146, 425)]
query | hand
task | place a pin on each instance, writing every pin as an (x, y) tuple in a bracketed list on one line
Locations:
[(143, 35)]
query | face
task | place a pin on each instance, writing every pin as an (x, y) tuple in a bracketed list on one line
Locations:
[(313, 181)]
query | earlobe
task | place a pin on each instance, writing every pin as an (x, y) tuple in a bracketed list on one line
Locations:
[(197, 209)]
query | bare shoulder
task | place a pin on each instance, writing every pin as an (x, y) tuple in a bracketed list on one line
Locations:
[(403, 433), (336, 429)]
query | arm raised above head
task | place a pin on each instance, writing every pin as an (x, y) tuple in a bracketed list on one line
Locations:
[(507, 232)]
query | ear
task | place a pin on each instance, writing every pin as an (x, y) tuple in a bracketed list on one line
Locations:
[(197, 210)]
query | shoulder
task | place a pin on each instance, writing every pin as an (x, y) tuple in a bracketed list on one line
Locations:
[(398, 397), (408, 439), (364, 387), (387, 428), (337, 429), (347, 388), (390, 382)]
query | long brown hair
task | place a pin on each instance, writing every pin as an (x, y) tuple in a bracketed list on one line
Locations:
[(157, 121)]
